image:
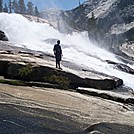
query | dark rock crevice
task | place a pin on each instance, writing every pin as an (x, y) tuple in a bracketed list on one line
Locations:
[(3, 36), (107, 96)]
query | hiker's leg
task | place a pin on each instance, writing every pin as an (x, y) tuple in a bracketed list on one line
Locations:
[(59, 64), (56, 63)]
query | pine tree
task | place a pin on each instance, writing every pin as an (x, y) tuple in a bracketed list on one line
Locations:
[(93, 17), (79, 3), (15, 6), (5, 9), (37, 11), (92, 22), (30, 8), (92, 27), (58, 25), (21, 7), (10, 6), (1, 5)]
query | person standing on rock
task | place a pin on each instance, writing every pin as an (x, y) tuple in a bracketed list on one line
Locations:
[(58, 53)]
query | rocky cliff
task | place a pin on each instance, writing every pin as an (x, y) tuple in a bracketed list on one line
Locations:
[(114, 20)]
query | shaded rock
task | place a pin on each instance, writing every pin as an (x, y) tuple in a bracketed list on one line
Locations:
[(3, 65), (16, 119), (110, 128), (25, 52), (55, 76), (39, 56), (103, 83), (6, 52), (3, 36), (130, 100), (106, 96), (121, 67)]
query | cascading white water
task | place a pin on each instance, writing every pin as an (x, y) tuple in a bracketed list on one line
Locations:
[(76, 47)]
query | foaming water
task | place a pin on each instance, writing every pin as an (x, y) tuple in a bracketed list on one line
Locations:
[(76, 47)]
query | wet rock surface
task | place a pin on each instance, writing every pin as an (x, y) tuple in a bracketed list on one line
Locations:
[(122, 67)]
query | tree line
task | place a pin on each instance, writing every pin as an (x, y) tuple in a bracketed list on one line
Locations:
[(18, 6)]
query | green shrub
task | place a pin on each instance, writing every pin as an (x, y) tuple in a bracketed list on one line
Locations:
[(12, 82), (63, 81), (24, 71)]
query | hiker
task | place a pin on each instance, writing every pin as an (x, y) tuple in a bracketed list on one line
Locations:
[(58, 53)]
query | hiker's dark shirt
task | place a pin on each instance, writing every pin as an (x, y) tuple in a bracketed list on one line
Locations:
[(57, 52)]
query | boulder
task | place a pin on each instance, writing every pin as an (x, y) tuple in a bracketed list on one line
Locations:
[(3, 36), (121, 67)]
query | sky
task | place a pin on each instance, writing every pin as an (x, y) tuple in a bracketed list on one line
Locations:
[(62, 4)]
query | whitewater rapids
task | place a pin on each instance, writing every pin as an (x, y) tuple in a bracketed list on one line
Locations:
[(76, 47)]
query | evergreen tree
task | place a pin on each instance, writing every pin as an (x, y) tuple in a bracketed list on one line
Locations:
[(1, 5), (37, 11), (79, 3), (92, 23), (15, 6), (5, 9), (93, 17), (10, 6), (21, 7), (30, 8), (92, 27), (58, 25)]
